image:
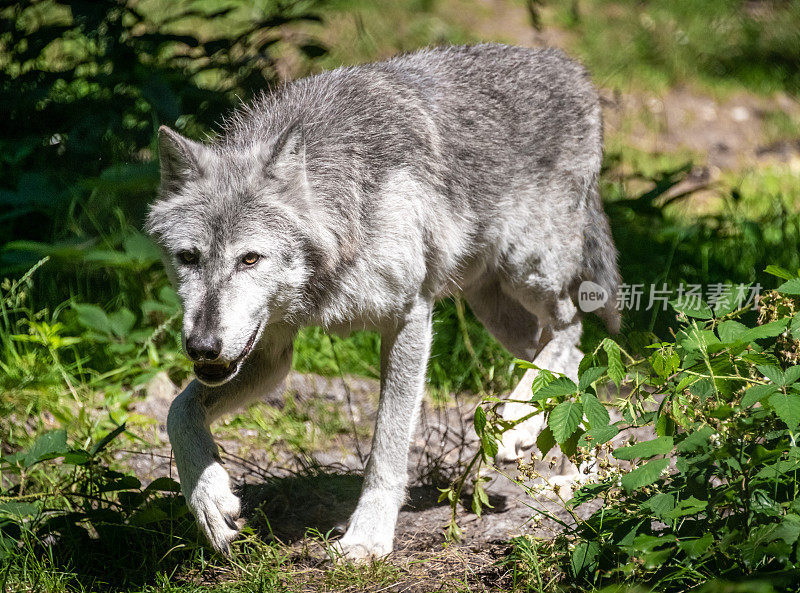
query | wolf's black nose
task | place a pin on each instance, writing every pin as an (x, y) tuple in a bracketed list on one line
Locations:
[(203, 347)]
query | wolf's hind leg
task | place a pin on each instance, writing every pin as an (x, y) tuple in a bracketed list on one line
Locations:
[(204, 482), (404, 358), (559, 355), (547, 338), (516, 328), (519, 331)]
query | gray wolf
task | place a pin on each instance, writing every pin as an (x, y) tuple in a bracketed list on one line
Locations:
[(354, 199)]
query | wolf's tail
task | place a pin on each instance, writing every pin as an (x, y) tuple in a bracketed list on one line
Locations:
[(600, 258)]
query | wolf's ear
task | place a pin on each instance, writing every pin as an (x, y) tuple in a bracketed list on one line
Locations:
[(287, 156), (180, 158)]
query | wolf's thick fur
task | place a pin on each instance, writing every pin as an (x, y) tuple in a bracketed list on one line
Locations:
[(364, 194)]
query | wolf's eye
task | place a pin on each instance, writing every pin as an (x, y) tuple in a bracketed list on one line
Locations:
[(249, 259), (187, 257)]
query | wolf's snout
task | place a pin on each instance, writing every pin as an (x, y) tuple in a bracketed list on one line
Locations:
[(204, 348)]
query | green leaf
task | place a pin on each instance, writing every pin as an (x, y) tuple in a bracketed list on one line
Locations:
[(685, 507), (701, 312), (598, 436), (779, 272), (47, 446), (772, 373), (570, 446), (587, 362), (564, 419), (92, 317), (108, 258), (77, 457), (545, 441), (479, 420), (787, 407), (560, 387), (141, 249), (596, 413), (660, 504), (584, 557), (696, 440), (726, 304), (525, 364), (589, 492), (792, 374), (731, 331), (753, 550), (589, 376), (703, 389), (776, 470), (696, 547), (150, 514), (644, 475), (791, 287), (122, 482), (163, 484), (616, 370), (19, 509), (121, 322), (756, 393), (762, 503), (542, 379), (665, 426), (103, 443), (645, 450), (653, 550), (665, 364), (488, 445), (768, 330), (168, 296), (695, 339), (795, 326), (789, 529)]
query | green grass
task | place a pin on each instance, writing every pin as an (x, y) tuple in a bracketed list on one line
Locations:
[(719, 45), (779, 127)]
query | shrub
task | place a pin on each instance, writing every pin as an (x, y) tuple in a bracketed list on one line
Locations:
[(66, 515), (714, 495)]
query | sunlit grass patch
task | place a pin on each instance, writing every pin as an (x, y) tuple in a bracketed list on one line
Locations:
[(721, 45)]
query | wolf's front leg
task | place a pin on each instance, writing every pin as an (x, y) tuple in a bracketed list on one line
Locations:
[(404, 358), (204, 482)]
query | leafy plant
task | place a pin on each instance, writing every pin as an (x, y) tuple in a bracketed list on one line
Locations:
[(62, 505), (715, 493)]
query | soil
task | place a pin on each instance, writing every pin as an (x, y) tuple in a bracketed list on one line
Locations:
[(286, 494)]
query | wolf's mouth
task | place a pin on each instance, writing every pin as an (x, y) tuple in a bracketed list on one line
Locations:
[(217, 373)]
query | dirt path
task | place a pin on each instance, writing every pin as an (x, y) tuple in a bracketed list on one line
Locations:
[(286, 493)]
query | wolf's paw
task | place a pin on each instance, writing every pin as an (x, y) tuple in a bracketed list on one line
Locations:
[(363, 547), (515, 442), (370, 533), (523, 436), (215, 507)]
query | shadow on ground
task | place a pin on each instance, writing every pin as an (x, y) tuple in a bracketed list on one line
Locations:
[(288, 508)]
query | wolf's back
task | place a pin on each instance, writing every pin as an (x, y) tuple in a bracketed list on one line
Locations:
[(502, 133)]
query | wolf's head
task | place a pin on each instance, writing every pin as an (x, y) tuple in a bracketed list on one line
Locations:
[(233, 225)]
